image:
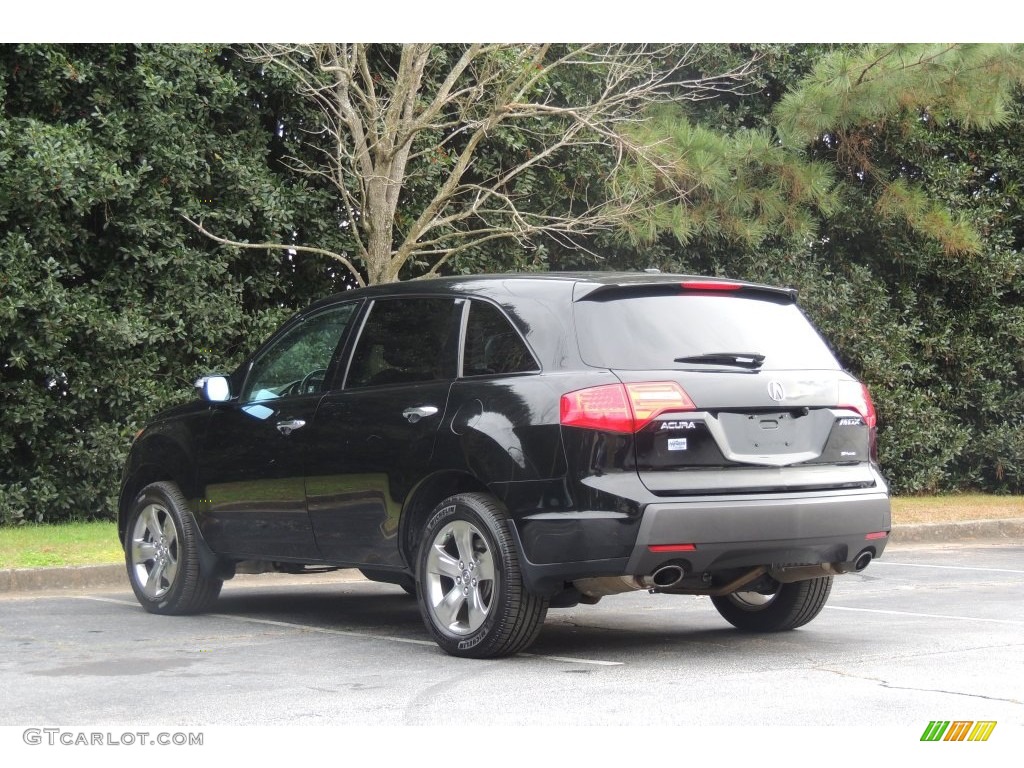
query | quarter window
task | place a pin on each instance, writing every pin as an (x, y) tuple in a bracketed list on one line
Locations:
[(492, 345)]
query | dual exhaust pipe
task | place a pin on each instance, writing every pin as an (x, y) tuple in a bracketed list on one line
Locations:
[(668, 576)]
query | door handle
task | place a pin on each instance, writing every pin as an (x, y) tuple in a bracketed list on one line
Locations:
[(287, 427), (415, 414)]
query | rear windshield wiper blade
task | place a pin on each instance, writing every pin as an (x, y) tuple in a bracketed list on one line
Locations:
[(737, 359)]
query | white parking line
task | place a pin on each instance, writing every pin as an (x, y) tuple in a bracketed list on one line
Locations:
[(923, 615), (349, 633), (875, 563)]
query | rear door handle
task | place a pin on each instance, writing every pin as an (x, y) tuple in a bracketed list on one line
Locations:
[(415, 414), (287, 427)]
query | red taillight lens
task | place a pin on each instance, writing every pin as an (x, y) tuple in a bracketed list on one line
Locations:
[(854, 395), (623, 408), (602, 408), (654, 398)]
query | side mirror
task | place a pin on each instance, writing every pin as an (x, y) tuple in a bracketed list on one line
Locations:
[(214, 389)]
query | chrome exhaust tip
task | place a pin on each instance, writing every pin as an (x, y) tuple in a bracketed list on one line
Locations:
[(862, 560), (664, 577)]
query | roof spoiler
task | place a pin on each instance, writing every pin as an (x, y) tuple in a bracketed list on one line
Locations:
[(668, 287)]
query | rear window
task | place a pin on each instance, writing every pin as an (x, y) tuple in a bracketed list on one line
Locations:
[(650, 332)]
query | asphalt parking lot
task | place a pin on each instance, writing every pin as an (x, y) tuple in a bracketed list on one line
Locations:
[(926, 632)]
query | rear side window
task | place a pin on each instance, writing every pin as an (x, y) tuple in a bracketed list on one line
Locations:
[(492, 345), (404, 341), (651, 332)]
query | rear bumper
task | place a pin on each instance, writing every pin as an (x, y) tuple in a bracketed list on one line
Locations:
[(735, 532), (726, 532)]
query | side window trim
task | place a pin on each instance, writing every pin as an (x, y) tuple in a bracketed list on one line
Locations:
[(357, 336), (463, 329), (339, 360)]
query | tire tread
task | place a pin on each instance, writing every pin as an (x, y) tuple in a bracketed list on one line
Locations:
[(522, 612), (195, 591)]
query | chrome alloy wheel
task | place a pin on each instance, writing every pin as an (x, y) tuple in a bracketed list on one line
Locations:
[(459, 578), (154, 551)]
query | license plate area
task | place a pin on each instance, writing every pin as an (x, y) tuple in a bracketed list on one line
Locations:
[(776, 433)]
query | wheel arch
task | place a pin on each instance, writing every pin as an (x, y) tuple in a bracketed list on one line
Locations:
[(422, 500), (158, 459)]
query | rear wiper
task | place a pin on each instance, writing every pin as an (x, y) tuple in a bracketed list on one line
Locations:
[(737, 359)]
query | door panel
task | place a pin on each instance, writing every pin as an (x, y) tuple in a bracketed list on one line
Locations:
[(373, 441), (368, 456), (255, 504), (253, 464)]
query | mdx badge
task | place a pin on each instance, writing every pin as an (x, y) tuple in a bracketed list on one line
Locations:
[(776, 391)]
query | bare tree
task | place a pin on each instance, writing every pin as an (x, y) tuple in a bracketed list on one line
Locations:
[(419, 117)]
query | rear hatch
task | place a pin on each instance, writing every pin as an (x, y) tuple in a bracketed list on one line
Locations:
[(732, 388)]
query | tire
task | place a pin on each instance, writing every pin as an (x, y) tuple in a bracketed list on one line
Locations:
[(791, 606), (162, 554), (469, 583)]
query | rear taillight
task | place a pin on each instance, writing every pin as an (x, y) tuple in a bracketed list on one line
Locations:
[(624, 408), (855, 396)]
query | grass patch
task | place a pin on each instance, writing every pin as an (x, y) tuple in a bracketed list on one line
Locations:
[(33, 546), (949, 509)]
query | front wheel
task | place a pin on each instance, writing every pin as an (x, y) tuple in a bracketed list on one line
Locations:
[(162, 554), (789, 607), (469, 583)]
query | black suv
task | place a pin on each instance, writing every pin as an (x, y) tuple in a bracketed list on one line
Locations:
[(499, 445)]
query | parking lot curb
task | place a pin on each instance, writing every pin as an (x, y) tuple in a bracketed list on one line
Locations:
[(84, 577), (1007, 529), (105, 576), (75, 577)]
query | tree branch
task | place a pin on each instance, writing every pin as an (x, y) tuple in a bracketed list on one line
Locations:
[(280, 247)]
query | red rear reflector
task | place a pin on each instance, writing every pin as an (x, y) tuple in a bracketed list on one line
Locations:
[(624, 408), (672, 547), (708, 285), (877, 535)]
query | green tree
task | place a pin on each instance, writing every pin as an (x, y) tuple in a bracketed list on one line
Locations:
[(778, 178), (434, 151), (110, 303), (913, 267)]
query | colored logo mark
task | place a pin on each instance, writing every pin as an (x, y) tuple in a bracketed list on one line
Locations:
[(958, 730)]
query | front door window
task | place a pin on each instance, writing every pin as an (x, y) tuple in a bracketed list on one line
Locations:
[(298, 362)]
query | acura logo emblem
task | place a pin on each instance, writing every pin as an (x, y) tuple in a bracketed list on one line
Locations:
[(776, 391)]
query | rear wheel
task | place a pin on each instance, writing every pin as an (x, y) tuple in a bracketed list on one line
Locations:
[(470, 585), (789, 607), (162, 554)]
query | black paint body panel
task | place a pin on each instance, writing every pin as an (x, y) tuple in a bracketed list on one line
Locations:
[(345, 489)]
